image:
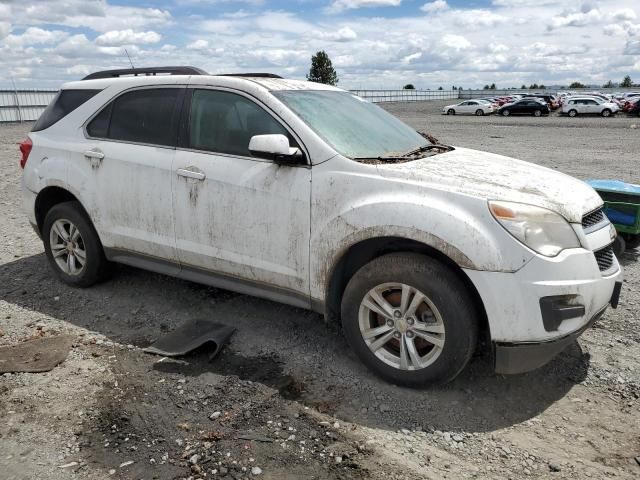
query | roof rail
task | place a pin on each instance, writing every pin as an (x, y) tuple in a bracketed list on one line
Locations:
[(260, 75), (146, 72)]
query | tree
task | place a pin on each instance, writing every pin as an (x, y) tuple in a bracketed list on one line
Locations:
[(577, 85), (627, 82), (492, 87), (486, 87), (534, 86), (409, 86), (440, 88), (609, 84), (523, 87), (542, 87), (322, 70), (454, 88)]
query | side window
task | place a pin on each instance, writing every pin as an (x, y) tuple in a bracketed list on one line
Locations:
[(224, 122), (65, 102), (142, 116)]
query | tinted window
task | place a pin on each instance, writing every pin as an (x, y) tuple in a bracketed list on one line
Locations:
[(225, 122), (99, 126), (144, 116), (65, 102)]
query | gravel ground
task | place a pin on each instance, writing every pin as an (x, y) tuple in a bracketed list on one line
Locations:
[(286, 399)]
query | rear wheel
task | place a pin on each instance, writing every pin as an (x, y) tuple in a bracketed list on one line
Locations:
[(573, 113), (537, 113), (410, 319), (72, 246), (479, 112), (505, 113), (451, 111)]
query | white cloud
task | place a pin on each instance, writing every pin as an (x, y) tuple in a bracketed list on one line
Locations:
[(344, 34), (340, 5), (198, 45), (128, 37), (457, 42), (433, 7)]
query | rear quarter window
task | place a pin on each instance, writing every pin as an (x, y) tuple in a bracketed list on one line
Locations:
[(65, 102)]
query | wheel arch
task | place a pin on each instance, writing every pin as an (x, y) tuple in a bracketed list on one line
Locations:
[(362, 252), (50, 196)]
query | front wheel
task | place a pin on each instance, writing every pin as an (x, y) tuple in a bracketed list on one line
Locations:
[(72, 246), (505, 113), (410, 319), (537, 113), (573, 113), (479, 112), (451, 111)]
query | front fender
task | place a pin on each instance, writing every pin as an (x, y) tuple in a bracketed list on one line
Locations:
[(464, 231)]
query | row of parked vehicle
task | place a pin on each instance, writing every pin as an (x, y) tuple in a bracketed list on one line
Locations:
[(538, 104)]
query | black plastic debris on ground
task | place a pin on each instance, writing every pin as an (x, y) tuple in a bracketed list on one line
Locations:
[(190, 336)]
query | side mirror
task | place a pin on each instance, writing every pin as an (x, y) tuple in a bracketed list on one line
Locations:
[(274, 147)]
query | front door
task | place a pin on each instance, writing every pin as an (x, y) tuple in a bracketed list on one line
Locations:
[(245, 218)]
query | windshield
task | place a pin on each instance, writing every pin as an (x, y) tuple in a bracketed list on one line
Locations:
[(352, 126)]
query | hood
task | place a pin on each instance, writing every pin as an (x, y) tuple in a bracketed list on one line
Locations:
[(496, 177)]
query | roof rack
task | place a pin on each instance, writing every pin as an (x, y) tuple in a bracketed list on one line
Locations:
[(145, 72), (260, 75)]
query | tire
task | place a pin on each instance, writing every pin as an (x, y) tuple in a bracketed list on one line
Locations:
[(619, 246), (70, 216), (451, 111), (632, 241), (573, 113), (537, 113), (606, 112), (447, 312), (505, 113), (479, 112)]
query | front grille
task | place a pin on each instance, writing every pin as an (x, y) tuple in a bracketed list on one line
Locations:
[(593, 218), (605, 258)]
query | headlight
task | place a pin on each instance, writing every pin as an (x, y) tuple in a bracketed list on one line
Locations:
[(540, 229)]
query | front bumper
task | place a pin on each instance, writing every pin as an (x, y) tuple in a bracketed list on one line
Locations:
[(524, 332), (512, 358)]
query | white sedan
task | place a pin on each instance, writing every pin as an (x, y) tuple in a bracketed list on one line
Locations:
[(469, 107)]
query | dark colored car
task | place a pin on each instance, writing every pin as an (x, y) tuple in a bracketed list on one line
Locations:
[(635, 109), (550, 100), (526, 106)]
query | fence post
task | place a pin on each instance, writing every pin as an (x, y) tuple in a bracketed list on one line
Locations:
[(15, 92)]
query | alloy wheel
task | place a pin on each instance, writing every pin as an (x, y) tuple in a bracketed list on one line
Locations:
[(67, 247), (401, 326)]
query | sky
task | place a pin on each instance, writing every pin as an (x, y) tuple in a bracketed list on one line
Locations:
[(372, 43)]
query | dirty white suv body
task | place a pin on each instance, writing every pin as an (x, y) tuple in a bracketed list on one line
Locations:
[(299, 231)]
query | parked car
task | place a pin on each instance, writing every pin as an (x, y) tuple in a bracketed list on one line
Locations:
[(306, 194), (589, 105), (468, 107), (635, 108), (526, 106), (550, 100)]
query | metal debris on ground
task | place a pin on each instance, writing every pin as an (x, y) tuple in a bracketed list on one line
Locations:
[(191, 335), (35, 356)]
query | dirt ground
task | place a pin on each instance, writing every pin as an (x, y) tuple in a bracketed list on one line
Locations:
[(286, 399)]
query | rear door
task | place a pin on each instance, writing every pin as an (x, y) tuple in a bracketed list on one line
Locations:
[(245, 218), (127, 160)]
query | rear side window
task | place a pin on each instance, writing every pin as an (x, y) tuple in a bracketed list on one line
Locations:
[(141, 116), (65, 102)]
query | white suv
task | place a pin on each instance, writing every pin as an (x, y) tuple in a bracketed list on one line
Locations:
[(588, 105), (308, 195)]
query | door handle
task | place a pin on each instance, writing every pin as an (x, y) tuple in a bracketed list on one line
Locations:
[(184, 172), (94, 154)]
